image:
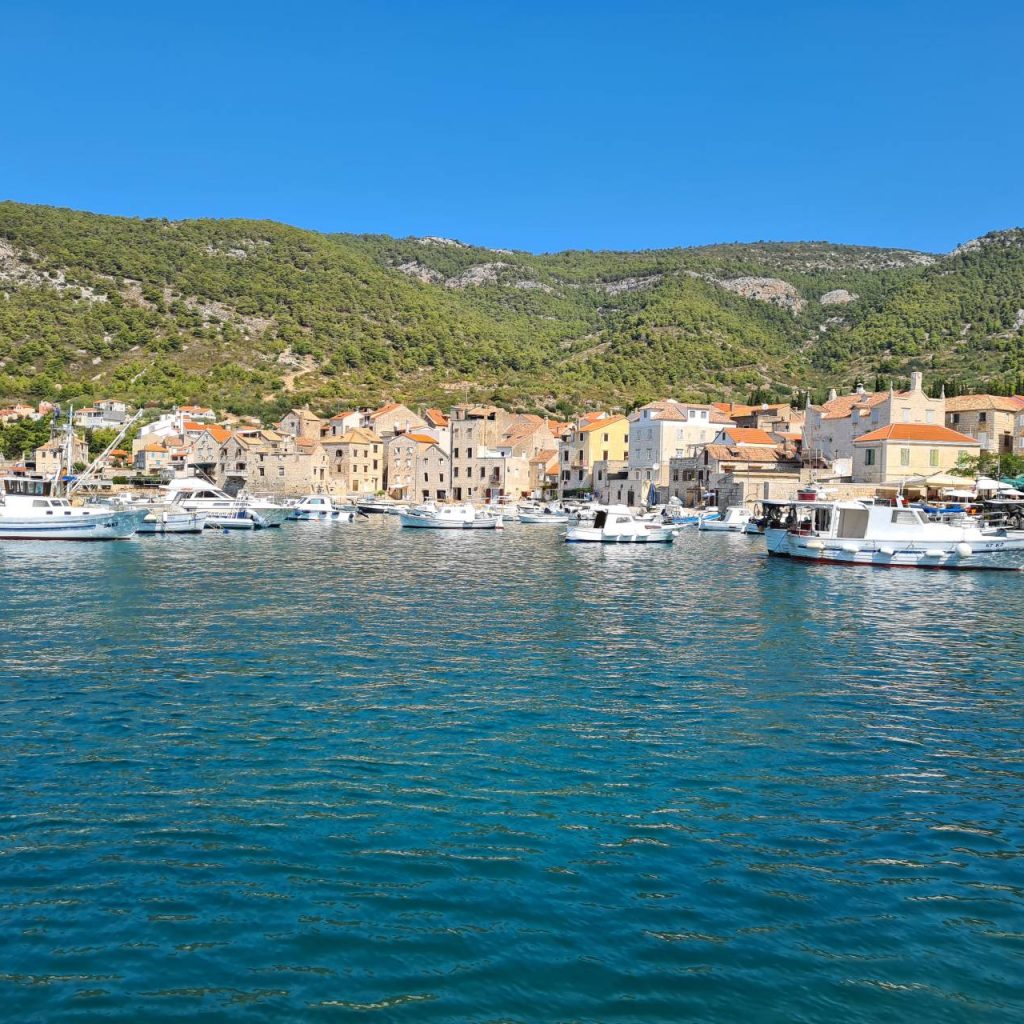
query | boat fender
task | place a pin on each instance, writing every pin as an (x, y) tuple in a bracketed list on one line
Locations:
[(964, 550), (887, 550), (815, 545), (933, 553), (850, 547)]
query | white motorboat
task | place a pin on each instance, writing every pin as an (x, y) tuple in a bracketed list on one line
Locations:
[(733, 520), (197, 495), (320, 508), (862, 533), (450, 517), (533, 515), (33, 509), (617, 525), (167, 518)]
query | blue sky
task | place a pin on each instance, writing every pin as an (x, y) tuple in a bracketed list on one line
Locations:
[(531, 125)]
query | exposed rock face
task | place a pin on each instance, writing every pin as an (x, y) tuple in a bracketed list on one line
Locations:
[(422, 273), (765, 289), (437, 240), (838, 297), (1010, 239), (473, 277), (630, 284), (19, 268), (527, 285)]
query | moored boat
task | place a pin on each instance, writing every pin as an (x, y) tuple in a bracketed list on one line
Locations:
[(733, 520), (167, 518), (320, 508), (863, 533), (450, 517), (33, 509), (617, 525), (201, 496)]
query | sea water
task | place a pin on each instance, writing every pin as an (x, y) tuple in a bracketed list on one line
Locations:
[(333, 772)]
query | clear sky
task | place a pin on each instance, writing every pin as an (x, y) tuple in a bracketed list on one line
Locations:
[(530, 124)]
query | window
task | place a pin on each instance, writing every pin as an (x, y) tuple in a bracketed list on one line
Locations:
[(929, 416), (906, 415), (956, 417), (280, 471), (455, 471), (869, 456), (982, 417), (455, 454), (604, 454), (933, 456), (606, 441), (904, 456), (469, 453)]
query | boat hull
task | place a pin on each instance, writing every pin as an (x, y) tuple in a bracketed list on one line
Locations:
[(593, 535), (115, 525), (994, 554), (418, 522), (173, 522)]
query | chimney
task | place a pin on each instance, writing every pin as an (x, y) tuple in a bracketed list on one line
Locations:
[(917, 381), (832, 395)]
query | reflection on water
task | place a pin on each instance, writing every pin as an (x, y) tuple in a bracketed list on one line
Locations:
[(326, 771)]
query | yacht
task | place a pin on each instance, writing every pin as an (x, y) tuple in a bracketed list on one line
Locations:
[(617, 525), (733, 520), (320, 508), (450, 517), (863, 533), (33, 508), (197, 495)]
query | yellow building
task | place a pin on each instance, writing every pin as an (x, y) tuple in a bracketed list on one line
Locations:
[(904, 450), (604, 439)]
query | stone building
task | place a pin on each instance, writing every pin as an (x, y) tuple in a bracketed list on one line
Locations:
[(900, 451), (664, 430), (596, 437), (269, 462), (49, 456), (392, 418), (301, 423), (830, 430), (990, 419), (356, 461)]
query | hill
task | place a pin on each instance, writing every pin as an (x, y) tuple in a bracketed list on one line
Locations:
[(257, 316)]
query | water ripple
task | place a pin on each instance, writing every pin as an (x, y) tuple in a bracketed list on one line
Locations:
[(323, 773)]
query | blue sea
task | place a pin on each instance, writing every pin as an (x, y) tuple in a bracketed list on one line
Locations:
[(328, 773)]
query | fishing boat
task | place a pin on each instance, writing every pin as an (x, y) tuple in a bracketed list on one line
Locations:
[(892, 536), (617, 525), (320, 508), (733, 520), (449, 517), (197, 495), (34, 508)]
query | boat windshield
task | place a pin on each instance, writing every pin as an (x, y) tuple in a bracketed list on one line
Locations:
[(30, 486)]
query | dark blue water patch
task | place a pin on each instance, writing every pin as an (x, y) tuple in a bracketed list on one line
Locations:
[(323, 773)]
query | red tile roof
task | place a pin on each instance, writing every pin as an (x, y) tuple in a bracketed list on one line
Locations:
[(598, 424), (974, 403), (916, 432), (749, 435)]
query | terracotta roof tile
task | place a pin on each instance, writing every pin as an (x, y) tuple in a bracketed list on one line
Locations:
[(916, 432)]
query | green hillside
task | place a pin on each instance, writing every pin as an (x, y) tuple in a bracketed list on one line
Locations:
[(256, 316)]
